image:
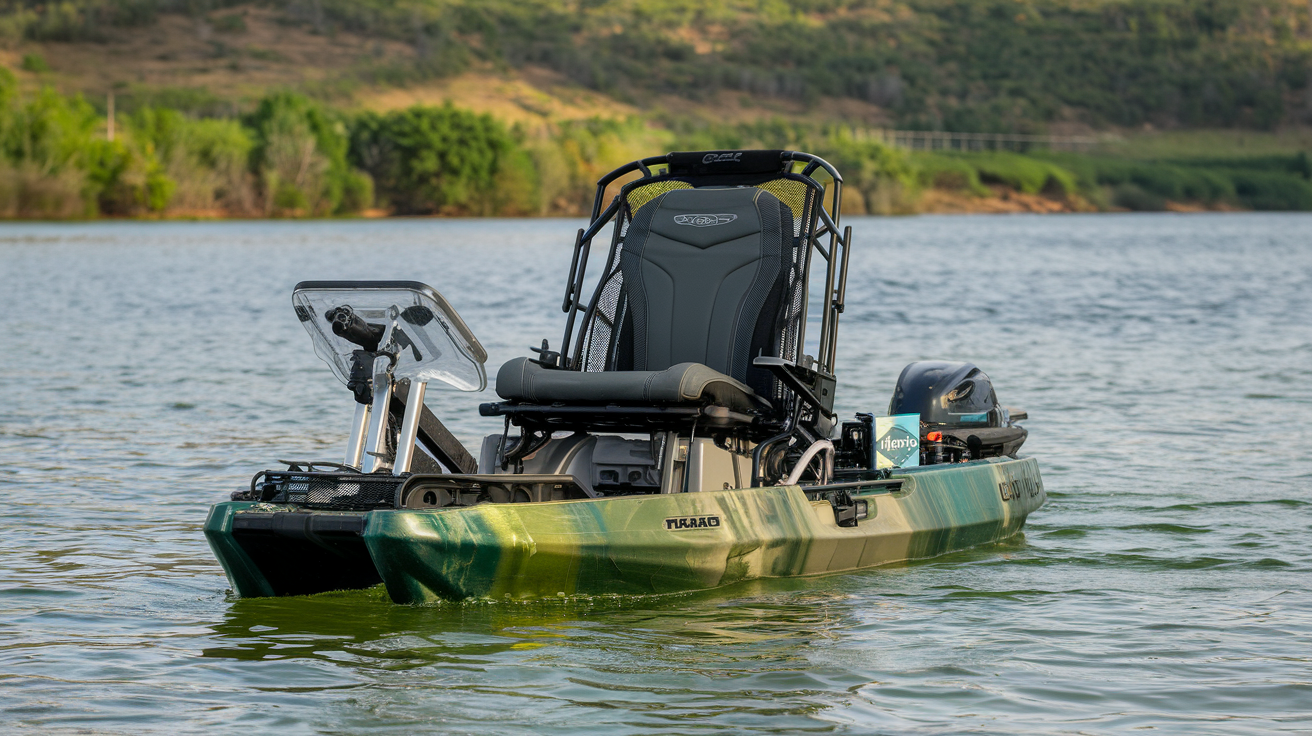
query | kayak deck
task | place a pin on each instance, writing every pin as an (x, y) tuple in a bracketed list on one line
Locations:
[(639, 545)]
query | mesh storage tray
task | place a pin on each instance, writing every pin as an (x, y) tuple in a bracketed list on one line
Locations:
[(340, 491)]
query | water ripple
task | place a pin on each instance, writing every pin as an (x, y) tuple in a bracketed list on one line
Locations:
[(1164, 361)]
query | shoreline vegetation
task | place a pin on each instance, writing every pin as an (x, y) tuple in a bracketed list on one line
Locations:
[(295, 157), (310, 117)]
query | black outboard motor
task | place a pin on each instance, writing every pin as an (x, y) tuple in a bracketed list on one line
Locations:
[(960, 418)]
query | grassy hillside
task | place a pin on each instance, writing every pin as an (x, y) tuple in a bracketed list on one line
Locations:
[(978, 65), (330, 107)]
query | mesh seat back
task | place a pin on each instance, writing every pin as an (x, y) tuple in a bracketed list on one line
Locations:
[(709, 276)]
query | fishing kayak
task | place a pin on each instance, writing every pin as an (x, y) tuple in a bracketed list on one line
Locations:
[(682, 437), (645, 545)]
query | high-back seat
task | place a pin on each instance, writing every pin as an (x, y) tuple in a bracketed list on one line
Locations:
[(706, 277)]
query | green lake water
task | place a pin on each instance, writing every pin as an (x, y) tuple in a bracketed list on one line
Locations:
[(147, 370)]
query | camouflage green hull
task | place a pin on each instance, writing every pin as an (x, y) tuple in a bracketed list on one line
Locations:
[(639, 545)]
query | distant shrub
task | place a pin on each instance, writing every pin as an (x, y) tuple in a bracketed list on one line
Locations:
[(950, 173), (29, 192), (1303, 165), (884, 180), (112, 179), (1135, 198), (34, 63), (49, 130), (567, 159), (1025, 173), (207, 160), (1266, 183), (230, 23), (1203, 185), (972, 171), (1298, 163), (443, 159), (300, 157), (1162, 181), (1273, 191)]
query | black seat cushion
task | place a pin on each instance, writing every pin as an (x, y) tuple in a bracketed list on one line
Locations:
[(686, 383)]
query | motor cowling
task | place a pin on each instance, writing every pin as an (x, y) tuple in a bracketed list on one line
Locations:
[(957, 401), (947, 394)]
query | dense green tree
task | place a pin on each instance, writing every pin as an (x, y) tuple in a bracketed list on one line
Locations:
[(300, 155), (437, 159)]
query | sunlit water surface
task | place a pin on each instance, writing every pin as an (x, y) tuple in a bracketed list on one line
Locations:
[(147, 370)]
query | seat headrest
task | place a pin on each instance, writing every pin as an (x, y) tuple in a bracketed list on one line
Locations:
[(702, 163), (706, 217)]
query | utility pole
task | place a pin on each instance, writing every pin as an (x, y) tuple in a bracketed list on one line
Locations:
[(109, 131)]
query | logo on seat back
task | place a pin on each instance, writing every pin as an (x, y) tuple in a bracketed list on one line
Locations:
[(704, 220), (716, 158)]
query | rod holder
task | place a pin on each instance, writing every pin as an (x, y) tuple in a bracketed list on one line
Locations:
[(405, 444), (376, 443), (355, 444)]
